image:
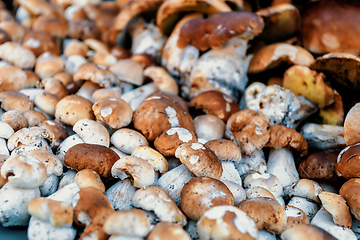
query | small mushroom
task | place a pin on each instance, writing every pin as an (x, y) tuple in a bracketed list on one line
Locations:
[(34, 117), (95, 74), (92, 132), (156, 160), (15, 120), (295, 216), (306, 188), (48, 64), (208, 127), (265, 180), (13, 78), (126, 140), (89, 178), (167, 230), (14, 100), (346, 164), (225, 150), (257, 191), (162, 79), (17, 55), (128, 70), (309, 207), (152, 198)]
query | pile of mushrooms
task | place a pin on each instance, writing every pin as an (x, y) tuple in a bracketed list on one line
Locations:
[(179, 119)]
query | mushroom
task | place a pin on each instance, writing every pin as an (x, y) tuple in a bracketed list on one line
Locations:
[(96, 74), (255, 162), (13, 78), (126, 140), (48, 64), (167, 230), (14, 100), (136, 96), (92, 132), (89, 178), (306, 231), (15, 120), (295, 216), (152, 198), (156, 159), (162, 79), (257, 191), (310, 208), (208, 127), (201, 194), (128, 70), (265, 180), (17, 55), (120, 195), (6, 130), (56, 132), (91, 156), (40, 42), (225, 150), (350, 126), (34, 117), (306, 188), (349, 191), (237, 223)]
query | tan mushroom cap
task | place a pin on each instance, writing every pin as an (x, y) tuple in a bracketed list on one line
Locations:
[(215, 103), (159, 112), (206, 33), (95, 215), (200, 160), (137, 169), (237, 223), (126, 140), (162, 79), (326, 28), (306, 188), (336, 205), (295, 216), (265, 180), (249, 129), (119, 52), (4, 36), (39, 7), (91, 156), (13, 100), (167, 142), (115, 112), (105, 59), (24, 171), (34, 117), (54, 212), (281, 136), (89, 178), (33, 136), (167, 230), (55, 26), (13, 78), (306, 231), (156, 159), (72, 108), (54, 86), (56, 132), (153, 198), (225, 149), (14, 29), (96, 74), (266, 212), (347, 165), (130, 223), (318, 165), (114, 92), (40, 42), (17, 55), (47, 102), (273, 55), (52, 163), (75, 47), (128, 70), (257, 191), (15, 119), (351, 125), (32, 80), (349, 191), (202, 193), (48, 64), (92, 132)]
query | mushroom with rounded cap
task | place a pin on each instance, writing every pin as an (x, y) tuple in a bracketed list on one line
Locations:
[(306, 231), (13, 78), (209, 127), (17, 54), (156, 159), (306, 188), (351, 129), (225, 149), (92, 132), (153, 198), (201, 194), (128, 70), (168, 230), (138, 169), (237, 223), (89, 178), (126, 140), (309, 207), (349, 191), (95, 74), (46, 102), (200, 160), (14, 100), (258, 191), (265, 180), (347, 162), (48, 64), (162, 79), (295, 216), (56, 132), (14, 119)]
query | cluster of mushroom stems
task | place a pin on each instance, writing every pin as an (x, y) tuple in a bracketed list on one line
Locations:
[(152, 119)]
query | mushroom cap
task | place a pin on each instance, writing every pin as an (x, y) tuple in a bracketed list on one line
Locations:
[(55, 26), (168, 141), (56, 132), (24, 171), (126, 140), (17, 55), (206, 33), (336, 205), (295, 216), (40, 42), (349, 191), (208, 127), (91, 156), (318, 165), (95, 73), (48, 64), (276, 54), (265, 180), (15, 120), (331, 27), (92, 132), (72, 108), (13, 78), (162, 79), (128, 70), (215, 103), (266, 212), (249, 129), (33, 136), (201, 194), (130, 223), (237, 223), (57, 213), (115, 112), (306, 231), (168, 230), (225, 149), (158, 113), (83, 29), (89, 178), (153, 198), (347, 162), (52, 163), (46, 102), (281, 136), (200, 160), (351, 125), (156, 159), (75, 47), (14, 100), (306, 188), (257, 191)]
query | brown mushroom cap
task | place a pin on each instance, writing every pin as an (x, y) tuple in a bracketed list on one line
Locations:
[(318, 165), (347, 165), (83, 29), (167, 230), (217, 29), (48, 64), (158, 113), (167, 142), (34, 117), (331, 27), (352, 126), (15, 119), (89, 178), (55, 26), (281, 136), (350, 191), (40, 42), (56, 132), (200, 160), (91, 156), (13, 100), (295, 216), (266, 212), (202, 193), (225, 149), (96, 74), (72, 108), (306, 231), (215, 103), (249, 129), (13, 78), (115, 112)]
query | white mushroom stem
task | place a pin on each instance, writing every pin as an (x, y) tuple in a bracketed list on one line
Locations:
[(5, 130), (254, 162), (40, 230), (120, 195), (230, 173), (3, 147), (237, 191), (282, 165), (324, 220), (136, 96), (309, 208)]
